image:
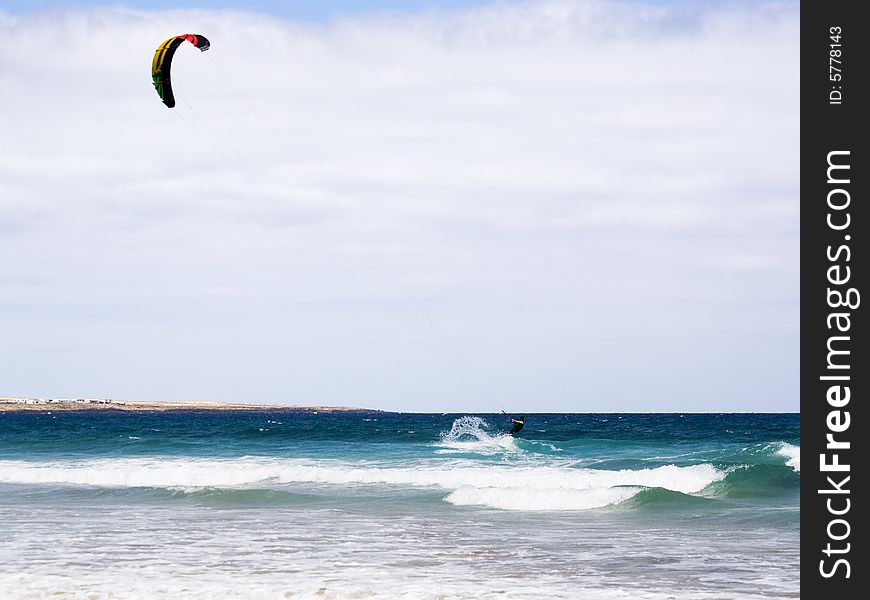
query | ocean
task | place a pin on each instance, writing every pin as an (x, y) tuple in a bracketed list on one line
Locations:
[(311, 504)]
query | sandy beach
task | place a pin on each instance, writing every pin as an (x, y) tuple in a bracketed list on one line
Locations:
[(15, 403)]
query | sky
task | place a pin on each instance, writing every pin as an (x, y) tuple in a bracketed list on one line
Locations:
[(578, 206), (308, 10)]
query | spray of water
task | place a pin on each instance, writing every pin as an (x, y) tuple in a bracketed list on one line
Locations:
[(473, 435)]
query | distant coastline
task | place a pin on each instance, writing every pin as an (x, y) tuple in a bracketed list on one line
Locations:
[(14, 403)]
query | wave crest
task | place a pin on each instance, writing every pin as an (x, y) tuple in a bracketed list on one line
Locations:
[(509, 487), (792, 454)]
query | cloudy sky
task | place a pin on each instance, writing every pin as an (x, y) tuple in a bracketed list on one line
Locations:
[(536, 206)]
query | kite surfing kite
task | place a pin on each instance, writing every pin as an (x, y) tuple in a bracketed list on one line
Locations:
[(163, 63)]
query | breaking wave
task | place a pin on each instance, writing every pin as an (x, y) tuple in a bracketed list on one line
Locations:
[(792, 454), (508, 487)]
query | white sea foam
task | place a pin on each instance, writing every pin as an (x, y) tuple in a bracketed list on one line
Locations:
[(137, 587), (534, 499), (544, 445), (516, 487), (470, 435), (792, 454)]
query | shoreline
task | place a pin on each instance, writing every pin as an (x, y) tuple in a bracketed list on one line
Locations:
[(20, 404)]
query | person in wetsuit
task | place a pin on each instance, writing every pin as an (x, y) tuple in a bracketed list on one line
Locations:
[(518, 424)]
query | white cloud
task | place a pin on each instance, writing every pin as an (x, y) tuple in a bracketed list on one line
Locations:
[(568, 194)]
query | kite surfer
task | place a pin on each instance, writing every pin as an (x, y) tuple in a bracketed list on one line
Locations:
[(517, 424)]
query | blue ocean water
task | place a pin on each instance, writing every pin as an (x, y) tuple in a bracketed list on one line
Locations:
[(365, 504)]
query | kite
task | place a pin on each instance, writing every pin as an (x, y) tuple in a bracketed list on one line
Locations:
[(163, 62)]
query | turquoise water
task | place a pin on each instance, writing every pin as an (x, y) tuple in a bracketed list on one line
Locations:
[(363, 504)]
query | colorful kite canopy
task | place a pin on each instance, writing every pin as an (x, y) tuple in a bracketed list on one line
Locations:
[(162, 63)]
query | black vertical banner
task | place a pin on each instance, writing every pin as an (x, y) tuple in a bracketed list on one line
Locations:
[(835, 223)]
